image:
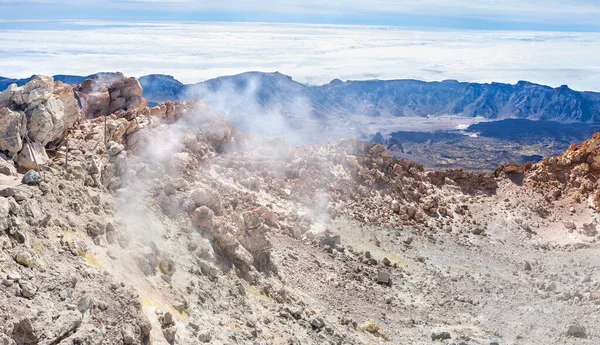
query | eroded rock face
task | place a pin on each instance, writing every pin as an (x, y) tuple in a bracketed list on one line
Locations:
[(50, 120), (12, 129)]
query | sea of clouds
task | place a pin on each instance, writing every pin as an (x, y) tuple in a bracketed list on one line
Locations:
[(312, 54)]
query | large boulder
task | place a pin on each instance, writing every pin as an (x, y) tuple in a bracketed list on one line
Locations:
[(42, 110), (50, 120)]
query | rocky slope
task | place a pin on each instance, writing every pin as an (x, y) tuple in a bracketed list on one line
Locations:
[(167, 225)]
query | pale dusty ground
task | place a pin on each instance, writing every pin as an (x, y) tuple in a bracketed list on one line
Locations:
[(475, 287)]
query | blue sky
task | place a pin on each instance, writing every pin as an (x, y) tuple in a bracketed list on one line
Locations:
[(547, 15)]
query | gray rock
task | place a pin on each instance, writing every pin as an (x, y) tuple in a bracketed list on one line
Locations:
[(144, 324), (167, 266), (205, 336), (576, 331), (67, 322), (384, 277), (114, 148), (84, 304), (441, 335), (28, 290), (202, 217), (6, 340), (166, 319), (317, 322), (169, 332), (96, 229), (18, 193), (128, 332), (13, 276), (527, 266)]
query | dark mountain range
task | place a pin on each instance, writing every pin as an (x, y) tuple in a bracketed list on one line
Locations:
[(257, 91)]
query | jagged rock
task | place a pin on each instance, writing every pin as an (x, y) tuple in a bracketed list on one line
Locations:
[(12, 129), (166, 319), (206, 196), (6, 340), (251, 220), (167, 266), (49, 110), (26, 158), (28, 290), (205, 336), (114, 148), (317, 322), (7, 168), (108, 93), (84, 304), (6, 95), (202, 217), (48, 121), (589, 229), (66, 322), (144, 324), (169, 332), (96, 228), (35, 331), (129, 335), (37, 90)]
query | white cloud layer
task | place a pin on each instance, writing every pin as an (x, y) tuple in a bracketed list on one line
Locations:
[(309, 53)]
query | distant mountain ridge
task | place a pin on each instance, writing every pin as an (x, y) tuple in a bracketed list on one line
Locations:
[(407, 97)]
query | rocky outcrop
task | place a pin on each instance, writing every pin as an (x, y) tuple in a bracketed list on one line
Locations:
[(42, 111), (106, 93), (572, 174)]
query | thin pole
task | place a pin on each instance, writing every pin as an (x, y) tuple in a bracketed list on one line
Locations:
[(67, 155)]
